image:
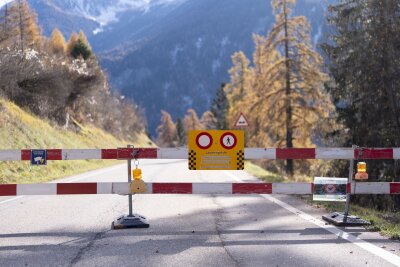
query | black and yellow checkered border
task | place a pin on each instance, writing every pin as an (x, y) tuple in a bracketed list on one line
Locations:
[(240, 160), (192, 160)]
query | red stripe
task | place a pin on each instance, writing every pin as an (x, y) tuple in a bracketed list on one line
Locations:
[(312, 188), (25, 154), (146, 153), (8, 189), (125, 153), (252, 188), (76, 188), (172, 188), (394, 188), (109, 153), (373, 153), (295, 153), (348, 188), (54, 154)]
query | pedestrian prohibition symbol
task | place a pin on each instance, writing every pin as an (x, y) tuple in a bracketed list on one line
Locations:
[(216, 150)]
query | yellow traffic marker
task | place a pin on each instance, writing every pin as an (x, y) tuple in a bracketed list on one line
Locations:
[(137, 185), (361, 171), (137, 174)]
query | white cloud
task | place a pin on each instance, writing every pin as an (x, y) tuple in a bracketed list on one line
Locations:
[(3, 2)]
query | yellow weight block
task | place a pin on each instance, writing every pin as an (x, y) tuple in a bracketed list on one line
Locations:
[(138, 186)]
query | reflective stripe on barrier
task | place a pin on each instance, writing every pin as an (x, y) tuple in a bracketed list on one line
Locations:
[(187, 188), (182, 153)]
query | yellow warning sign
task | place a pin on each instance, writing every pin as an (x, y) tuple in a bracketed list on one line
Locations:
[(216, 150)]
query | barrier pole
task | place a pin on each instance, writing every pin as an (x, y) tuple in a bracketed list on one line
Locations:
[(131, 220), (349, 180), (129, 181)]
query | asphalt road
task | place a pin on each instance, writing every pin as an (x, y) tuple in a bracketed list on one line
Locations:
[(186, 230)]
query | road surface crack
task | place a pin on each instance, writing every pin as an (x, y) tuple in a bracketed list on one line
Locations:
[(217, 222), (86, 248)]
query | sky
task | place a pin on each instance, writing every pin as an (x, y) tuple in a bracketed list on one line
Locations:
[(3, 2)]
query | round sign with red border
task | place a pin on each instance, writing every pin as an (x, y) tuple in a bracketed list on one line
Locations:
[(204, 140), (330, 188), (228, 140)]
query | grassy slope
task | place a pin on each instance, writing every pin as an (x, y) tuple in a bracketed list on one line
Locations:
[(20, 129), (387, 223)]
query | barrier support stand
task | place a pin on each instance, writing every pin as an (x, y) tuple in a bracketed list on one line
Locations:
[(131, 220), (345, 219)]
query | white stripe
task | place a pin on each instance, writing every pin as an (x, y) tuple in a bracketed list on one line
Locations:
[(104, 188), (334, 153), (11, 199), (212, 188), (172, 153), (260, 153), (121, 188), (37, 189), (396, 153), (291, 188), (149, 188), (10, 154), (370, 188), (386, 255), (73, 154)]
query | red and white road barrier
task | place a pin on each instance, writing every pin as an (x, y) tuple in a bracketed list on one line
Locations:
[(188, 188), (182, 153)]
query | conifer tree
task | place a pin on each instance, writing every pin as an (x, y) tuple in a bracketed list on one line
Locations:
[(73, 39), (4, 24), (239, 89), (18, 26), (240, 75), (180, 133), (219, 108), (57, 41), (166, 131), (191, 121), (290, 93), (364, 64), (23, 29), (84, 39), (208, 120), (80, 49)]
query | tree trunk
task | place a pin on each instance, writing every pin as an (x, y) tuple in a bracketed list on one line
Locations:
[(21, 26), (288, 104)]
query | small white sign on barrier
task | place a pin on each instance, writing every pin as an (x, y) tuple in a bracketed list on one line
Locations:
[(329, 189)]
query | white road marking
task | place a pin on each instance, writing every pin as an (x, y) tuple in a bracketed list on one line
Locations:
[(386, 255), (94, 173), (11, 199)]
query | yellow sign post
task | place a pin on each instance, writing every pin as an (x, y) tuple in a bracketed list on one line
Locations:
[(216, 150)]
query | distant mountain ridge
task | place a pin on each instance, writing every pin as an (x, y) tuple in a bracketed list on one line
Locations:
[(169, 54)]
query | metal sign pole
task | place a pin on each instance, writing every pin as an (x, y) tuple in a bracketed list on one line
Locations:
[(129, 181), (350, 179)]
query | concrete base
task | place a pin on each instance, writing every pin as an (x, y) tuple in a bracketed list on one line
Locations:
[(126, 221), (338, 219)]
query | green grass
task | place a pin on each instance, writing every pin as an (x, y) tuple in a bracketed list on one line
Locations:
[(387, 223), (21, 130)]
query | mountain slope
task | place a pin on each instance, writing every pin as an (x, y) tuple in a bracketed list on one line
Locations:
[(169, 54), (20, 130), (182, 64)]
